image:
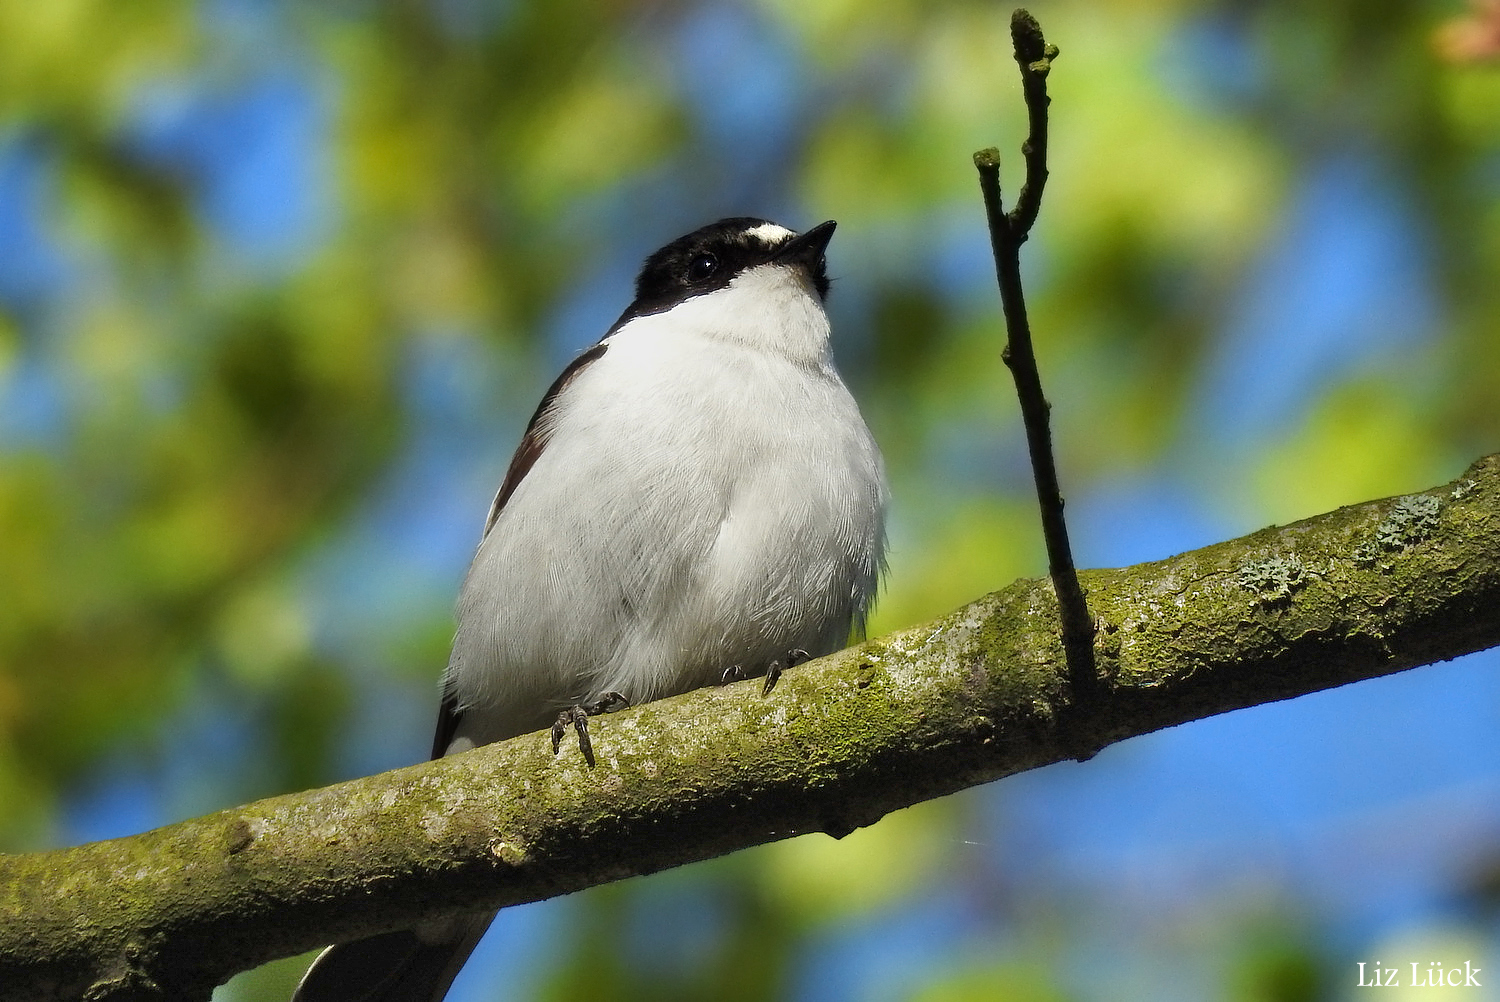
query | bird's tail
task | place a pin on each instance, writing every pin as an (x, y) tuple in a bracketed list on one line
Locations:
[(406, 966)]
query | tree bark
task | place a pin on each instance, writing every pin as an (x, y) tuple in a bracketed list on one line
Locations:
[(971, 697)]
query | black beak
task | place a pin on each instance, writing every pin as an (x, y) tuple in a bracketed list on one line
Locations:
[(807, 248)]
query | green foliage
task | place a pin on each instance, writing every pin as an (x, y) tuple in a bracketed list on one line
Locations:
[(222, 422), (994, 982), (1280, 972)]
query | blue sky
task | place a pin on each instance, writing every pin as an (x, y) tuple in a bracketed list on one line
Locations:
[(1364, 802)]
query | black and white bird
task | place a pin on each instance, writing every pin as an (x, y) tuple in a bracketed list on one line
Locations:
[(696, 499)]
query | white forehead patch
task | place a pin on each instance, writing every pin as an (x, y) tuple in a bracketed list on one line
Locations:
[(770, 234)]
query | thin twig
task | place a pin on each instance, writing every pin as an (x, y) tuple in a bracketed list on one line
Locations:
[(1034, 56), (1007, 233)]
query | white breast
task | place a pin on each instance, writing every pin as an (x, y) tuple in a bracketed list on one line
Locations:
[(709, 496)]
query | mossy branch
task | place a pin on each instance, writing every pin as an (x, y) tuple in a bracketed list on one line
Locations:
[(971, 697), (1008, 231)]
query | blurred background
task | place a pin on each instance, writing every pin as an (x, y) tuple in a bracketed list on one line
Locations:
[(281, 281)]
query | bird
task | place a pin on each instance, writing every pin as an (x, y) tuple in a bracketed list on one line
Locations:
[(696, 500)]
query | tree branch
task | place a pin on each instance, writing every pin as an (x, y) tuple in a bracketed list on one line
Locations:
[(1034, 56), (1008, 231), (971, 697)]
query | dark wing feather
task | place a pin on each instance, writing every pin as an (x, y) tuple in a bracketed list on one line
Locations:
[(449, 714), (535, 438), (527, 453)]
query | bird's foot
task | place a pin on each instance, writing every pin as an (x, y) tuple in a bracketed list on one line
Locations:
[(737, 673), (793, 658), (578, 716)]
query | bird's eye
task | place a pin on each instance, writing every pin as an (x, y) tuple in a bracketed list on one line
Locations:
[(701, 267)]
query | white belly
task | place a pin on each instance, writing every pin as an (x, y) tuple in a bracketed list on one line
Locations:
[(670, 529)]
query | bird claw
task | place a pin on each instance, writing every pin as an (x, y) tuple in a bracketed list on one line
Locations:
[(578, 716), (793, 658)]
